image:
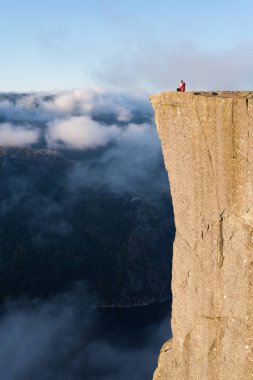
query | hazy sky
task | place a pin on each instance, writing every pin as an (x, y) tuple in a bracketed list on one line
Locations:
[(134, 44)]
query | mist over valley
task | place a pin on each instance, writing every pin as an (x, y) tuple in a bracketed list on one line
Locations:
[(86, 224)]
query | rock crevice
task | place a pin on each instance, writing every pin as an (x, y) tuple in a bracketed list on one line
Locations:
[(207, 143)]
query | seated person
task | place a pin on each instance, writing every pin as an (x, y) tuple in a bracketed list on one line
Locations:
[(181, 86)]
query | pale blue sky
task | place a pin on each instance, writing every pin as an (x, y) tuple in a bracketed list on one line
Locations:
[(135, 44)]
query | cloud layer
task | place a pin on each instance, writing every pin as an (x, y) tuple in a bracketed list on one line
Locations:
[(90, 158), (79, 133), (81, 119), (64, 339), (11, 135), (89, 187), (118, 127)]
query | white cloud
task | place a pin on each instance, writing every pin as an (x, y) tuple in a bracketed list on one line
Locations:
[(78, 119), (78, 99), (11, 135), (123, 114), (84, 102), (46, 107), (159, 66), (80, 133)]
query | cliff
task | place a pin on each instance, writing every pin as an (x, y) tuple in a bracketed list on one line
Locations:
[(207, 142)]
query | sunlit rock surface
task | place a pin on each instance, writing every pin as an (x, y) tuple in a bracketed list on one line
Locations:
[(207, 142)]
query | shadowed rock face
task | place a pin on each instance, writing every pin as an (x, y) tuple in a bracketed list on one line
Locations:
[(207, 142)]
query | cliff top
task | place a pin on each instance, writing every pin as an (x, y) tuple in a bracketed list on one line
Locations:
[(221, 94)]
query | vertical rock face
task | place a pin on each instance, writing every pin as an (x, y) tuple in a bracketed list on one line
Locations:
[(207, 142)]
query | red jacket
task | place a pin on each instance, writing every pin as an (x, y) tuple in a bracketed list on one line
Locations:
[(182, 87)]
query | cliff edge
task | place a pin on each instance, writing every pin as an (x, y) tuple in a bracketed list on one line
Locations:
[(207, 142)]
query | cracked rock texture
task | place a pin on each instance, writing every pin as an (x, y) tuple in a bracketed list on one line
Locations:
[(207, 142)]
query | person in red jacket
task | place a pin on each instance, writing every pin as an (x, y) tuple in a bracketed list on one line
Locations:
[(181, 86)]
